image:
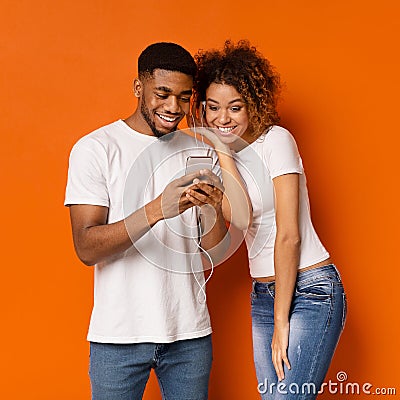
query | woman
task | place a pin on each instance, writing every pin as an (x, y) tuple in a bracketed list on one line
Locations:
[(298, 301)]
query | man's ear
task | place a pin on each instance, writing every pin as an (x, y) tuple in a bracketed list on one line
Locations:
[(137, 87)]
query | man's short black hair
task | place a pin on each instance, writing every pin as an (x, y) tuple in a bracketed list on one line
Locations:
[(168, 56)]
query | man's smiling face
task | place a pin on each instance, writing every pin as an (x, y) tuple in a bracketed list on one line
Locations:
[(164, 100)]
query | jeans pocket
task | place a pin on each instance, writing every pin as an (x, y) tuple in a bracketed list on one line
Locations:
[(317, 290)]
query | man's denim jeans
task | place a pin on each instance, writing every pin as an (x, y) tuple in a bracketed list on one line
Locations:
[(121, 371)]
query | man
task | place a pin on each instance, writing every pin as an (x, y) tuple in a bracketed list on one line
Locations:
[(140, 232)]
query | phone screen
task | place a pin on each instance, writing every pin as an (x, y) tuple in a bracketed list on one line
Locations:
[(196, 163)]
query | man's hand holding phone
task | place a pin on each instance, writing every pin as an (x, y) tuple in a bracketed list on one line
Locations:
[(184, 193), (207, 189)]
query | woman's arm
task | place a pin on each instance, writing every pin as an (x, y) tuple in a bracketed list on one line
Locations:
[(286, 261), (236, 204)]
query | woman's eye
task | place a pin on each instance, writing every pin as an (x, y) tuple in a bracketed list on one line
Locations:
[(212, 108), (236, 109), (185, 99)]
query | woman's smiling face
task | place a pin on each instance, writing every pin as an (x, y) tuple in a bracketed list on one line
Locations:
[(226, 112)]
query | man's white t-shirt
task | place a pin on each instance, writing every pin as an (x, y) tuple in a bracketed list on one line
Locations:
[(273, 154), (148, 293)]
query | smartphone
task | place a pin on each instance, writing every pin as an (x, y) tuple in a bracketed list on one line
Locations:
[(196, 163)]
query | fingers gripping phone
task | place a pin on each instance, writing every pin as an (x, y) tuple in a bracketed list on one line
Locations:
[(196, 163)]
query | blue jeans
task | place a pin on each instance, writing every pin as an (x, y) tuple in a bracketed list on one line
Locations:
[(317, 317), (121, 371)]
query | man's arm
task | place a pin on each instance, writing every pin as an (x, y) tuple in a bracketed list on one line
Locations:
[(95, 240)]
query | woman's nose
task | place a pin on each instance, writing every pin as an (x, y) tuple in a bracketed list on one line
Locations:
[(223, 117)]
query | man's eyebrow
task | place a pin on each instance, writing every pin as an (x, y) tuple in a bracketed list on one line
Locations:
[(189, 92), (166, 89)]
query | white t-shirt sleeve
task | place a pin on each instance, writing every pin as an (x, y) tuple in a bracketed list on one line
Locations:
[(281, 153), (87, 183)]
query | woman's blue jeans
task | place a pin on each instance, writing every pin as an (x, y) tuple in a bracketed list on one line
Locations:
[(121, 371), (317, 317)]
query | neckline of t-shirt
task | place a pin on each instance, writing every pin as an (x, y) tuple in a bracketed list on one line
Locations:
[(260, 139), (132, 132)]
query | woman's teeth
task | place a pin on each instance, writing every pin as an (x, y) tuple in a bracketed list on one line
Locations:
[(226, 130)]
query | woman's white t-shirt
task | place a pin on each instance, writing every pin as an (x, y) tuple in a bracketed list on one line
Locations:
[(273, 154)]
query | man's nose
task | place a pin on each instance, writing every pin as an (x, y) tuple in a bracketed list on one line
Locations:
[(172, 105)]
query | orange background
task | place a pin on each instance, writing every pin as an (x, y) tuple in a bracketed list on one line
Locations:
[(67, 68)]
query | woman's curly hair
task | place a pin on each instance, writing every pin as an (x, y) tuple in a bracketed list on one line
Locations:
[(251, 74)]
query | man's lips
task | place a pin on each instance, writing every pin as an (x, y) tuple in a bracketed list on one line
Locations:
[(169, 119)]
